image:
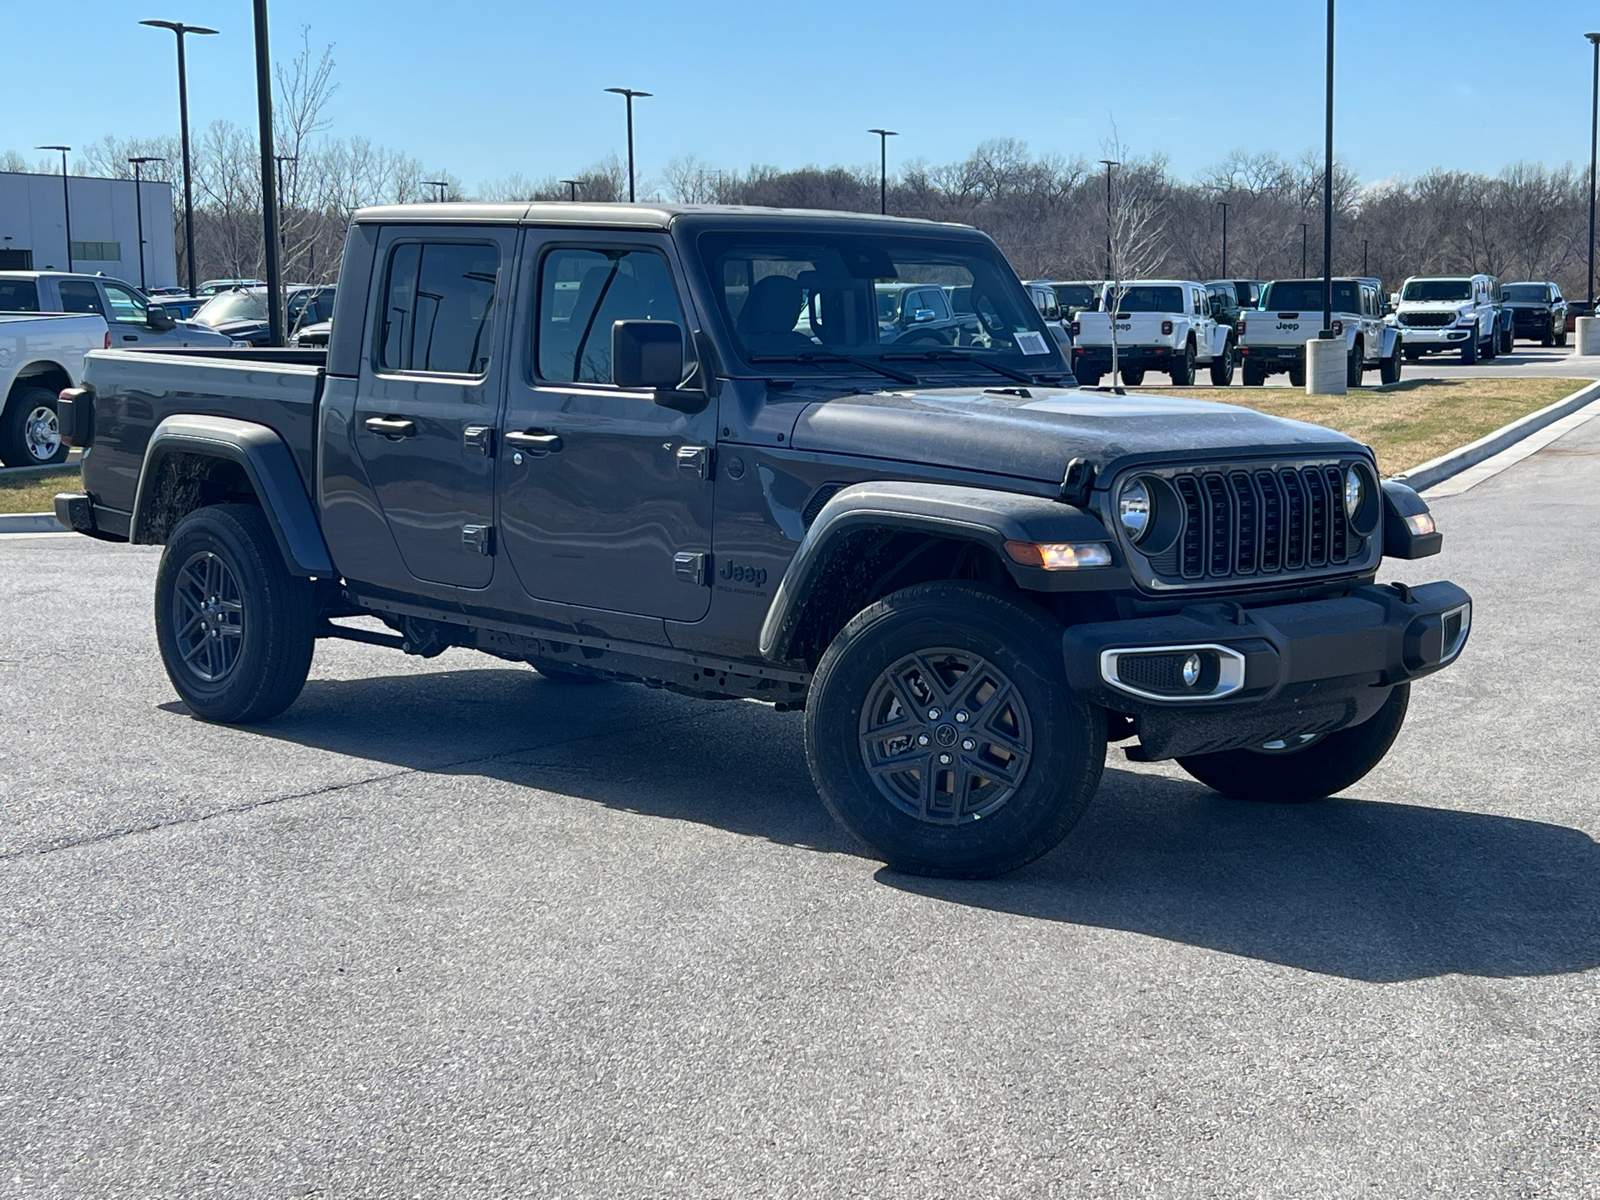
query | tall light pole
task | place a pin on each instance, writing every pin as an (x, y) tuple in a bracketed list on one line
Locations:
[(1303, 228), (1363, 256), (180, 29), (269, 197), (629, 94), (1109, 163), (66, 198), (138, 204), (1594, 124), (572, 189), (278, 161), (1223, 205), (1327, 198), (883, 167), (442, 184)]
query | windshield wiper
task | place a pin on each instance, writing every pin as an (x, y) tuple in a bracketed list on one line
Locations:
[(822, 356), (953, 355)]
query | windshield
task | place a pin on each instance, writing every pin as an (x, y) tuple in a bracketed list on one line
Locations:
[(1153, 299), (814, 296), (233, 306), (1305, 295), (1077, 295), (1524, 291), (1438, 289)]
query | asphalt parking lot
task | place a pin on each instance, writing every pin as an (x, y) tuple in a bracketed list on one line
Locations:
[(446, 928)]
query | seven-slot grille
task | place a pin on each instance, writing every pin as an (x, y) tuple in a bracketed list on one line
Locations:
[(1434, 320), (1264, 520)]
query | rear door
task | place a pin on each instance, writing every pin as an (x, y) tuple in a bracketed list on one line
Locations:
[(427, 396), (605, 495)]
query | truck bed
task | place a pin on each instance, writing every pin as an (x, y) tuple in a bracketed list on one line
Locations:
[(136, 389)]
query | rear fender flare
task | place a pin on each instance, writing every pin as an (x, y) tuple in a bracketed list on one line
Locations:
[(267, 464), (984, 516)]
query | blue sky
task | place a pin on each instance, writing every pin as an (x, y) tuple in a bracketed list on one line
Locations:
[(484, 89)]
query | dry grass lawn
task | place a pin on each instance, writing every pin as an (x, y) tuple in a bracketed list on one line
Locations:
[(1409, 422), (36, 492)]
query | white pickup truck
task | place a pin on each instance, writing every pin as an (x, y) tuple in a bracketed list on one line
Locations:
[(1456, 314), (1273, 337), (41, 355), (1166, 325)]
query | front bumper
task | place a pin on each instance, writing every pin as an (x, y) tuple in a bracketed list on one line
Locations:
[(1265, 673), (1424, 337)]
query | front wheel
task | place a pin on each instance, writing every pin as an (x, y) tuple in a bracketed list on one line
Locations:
[(1222, 366), (1492, 346), (1305, 767), (1389, 369), (1508, 340), (1183, 370), (29, 433), (1469, 349), (236, 630), (941, 731), (1561, 336)]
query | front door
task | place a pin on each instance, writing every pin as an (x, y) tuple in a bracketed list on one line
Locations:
[(605, 496), (129, 320), (429, 388)]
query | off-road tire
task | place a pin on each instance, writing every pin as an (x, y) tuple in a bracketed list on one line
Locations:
[(1086, 378), (1222, 366), (1561, 336), (1254, 376), (1297, 374), (1491, 348), (861, 683), (1182, 372), (1389, 368), (1131, 378), (1508, 340), (1355, 366), (22, 410), (1548, 337), (1469, 351), (1326, 766), (276, 616)]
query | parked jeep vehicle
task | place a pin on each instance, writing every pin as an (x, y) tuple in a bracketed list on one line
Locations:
[(40, 356), (1537, 310), (1166, 325), (1454, 314), (969, 576), (135, 322), (917, 315), (1273, 339), (1043, 295), (1076, 296), (241, 314), (1238, 295)]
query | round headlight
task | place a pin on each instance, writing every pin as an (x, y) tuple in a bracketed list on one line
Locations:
[(1133, 508), (1352, 492)]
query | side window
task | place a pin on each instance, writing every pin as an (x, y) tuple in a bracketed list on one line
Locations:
[(125, 306), (1199, 304), (438, 308), (582, 293), (79, 296)]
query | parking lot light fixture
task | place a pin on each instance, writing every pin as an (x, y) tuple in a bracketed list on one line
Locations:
[(1109, 163), (1594, 128), (572, 189), (1303, 227), (66, 198), (180, 29), (1327, 197), (883, 167), (442, 184), (1223, 205), (138, 204), (1363, 256), (629, 94)]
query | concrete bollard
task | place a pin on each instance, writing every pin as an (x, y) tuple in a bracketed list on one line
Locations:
[(1588, 329), (1326, 363)]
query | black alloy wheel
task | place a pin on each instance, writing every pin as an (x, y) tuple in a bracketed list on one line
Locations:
[(208, 617)]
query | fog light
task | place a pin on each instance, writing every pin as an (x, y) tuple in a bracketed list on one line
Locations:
[(1191, 670), (1060, 556), (1421, 525)]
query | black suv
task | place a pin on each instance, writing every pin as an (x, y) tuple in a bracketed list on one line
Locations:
[(1537, 310), (679, 446)]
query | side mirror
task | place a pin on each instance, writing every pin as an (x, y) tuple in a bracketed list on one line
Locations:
[(923, 314), (646, 354), (158, 318)]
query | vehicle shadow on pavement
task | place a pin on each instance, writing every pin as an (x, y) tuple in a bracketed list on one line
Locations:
[(1373, 891), (1379, 892)]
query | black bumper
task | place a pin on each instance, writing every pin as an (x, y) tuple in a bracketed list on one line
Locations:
[(1129, 358), (1280, 357), (1265, 673)]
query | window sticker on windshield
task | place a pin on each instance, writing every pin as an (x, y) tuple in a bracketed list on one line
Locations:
[(1031, 342)]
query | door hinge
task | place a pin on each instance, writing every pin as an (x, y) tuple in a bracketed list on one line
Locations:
[(690, 567), (479, 438), (479, 538), (696, 460)]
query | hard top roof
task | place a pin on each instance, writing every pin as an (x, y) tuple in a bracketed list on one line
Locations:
[(622, 216)]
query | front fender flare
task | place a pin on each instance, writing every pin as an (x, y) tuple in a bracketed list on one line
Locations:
[(266, 462), (985, 516)]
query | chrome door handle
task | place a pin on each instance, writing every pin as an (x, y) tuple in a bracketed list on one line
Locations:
[(534, 441), (391, 427)]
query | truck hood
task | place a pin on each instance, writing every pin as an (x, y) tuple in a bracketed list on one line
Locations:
[(1032, 433)]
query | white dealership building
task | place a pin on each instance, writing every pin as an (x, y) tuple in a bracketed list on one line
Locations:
[(106, 217)]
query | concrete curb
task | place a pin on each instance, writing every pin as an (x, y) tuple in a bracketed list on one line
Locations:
[(30, 523), (1437, 471)]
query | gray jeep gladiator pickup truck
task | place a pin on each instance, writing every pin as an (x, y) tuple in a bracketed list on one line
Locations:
[(669, 446)]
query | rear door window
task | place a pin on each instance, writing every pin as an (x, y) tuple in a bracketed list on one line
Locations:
[(438, 308), (80, 296)]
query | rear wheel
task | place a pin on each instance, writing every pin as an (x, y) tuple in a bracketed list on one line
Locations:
[(1354, 367), (29, 433), (1561, 335), (1086, 377), (1254, 376), (236, 630), (1222, 366), (1389, 369), (1297, 374), (1508, 339), (1548, 338), (1132, 378), (1293, 770), (941, 731), (1182, 372)]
